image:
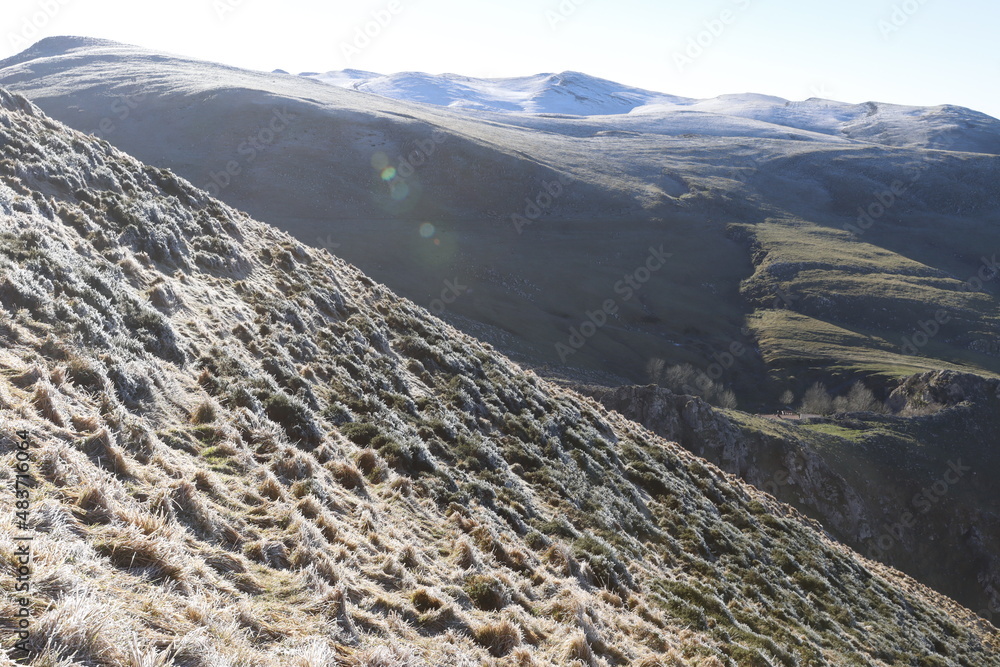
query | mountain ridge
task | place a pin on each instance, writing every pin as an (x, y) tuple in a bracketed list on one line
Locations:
[(577, 94)]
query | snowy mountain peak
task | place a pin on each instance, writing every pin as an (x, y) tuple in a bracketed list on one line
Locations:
[(572, 93), (567, 93), (59, 45)]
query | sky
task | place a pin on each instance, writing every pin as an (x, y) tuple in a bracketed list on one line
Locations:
[(919, 52)]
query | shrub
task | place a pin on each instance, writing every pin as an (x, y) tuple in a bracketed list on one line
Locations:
[(359, 433), (817, 400), (293, 416), (486, 592)]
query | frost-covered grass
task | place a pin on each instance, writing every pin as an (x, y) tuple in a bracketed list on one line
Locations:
[(268, 459)]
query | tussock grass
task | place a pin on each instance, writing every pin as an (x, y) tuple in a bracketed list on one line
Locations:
[(46, 399), (80, 627), (205, 413), (500, 638)]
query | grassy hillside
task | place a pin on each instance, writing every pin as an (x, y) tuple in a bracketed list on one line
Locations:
[(247, 452)]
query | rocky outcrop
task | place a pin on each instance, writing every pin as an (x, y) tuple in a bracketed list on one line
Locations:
[(789, 469), (936, 390)]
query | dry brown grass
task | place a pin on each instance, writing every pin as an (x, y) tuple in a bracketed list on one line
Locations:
[(499, 637), (92, 505), (46, 399), (465, 554), (206, 412), (576, 647), (101, 448), (347, 475), (372, 465), (80, 626), (129, 549)]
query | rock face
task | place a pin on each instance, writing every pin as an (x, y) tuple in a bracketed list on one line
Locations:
[(789, 469), (247, 452), (909, 523), (933, 391)]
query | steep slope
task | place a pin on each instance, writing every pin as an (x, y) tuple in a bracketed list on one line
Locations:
[(934, 516), (247, 452)]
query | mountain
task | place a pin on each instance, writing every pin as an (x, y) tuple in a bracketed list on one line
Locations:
[(762, 256), (775, 231), (944, 127), (569, 93), (245, 451)]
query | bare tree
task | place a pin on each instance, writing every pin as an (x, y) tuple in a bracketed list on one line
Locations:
[(787, 398), (817, 400), (861, 399), (726, 399)]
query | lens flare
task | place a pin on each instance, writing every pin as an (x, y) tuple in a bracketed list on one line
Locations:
[(388, 173), (380, 161), (427, 230), (399, 190)]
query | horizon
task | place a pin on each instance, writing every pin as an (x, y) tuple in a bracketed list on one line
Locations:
[(854, 53)]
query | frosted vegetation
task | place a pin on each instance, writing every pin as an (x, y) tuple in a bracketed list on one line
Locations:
[(249, 453)]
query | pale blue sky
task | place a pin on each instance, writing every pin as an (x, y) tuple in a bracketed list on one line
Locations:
[(936, 52)]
